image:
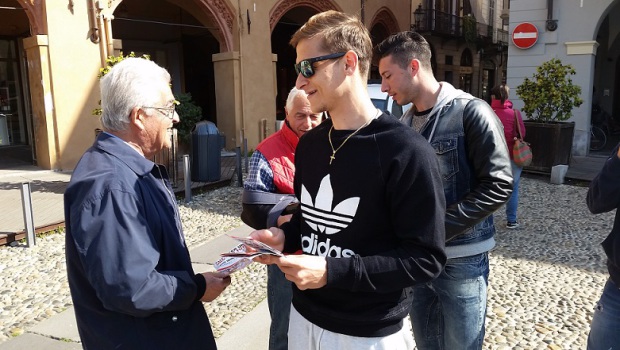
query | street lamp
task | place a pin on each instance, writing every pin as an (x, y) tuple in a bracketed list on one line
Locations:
[(418, 16)]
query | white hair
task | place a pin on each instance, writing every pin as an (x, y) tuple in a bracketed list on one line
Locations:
[(291, 97), (133, 82)]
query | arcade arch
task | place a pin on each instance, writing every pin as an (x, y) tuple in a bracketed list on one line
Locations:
[(180, 36)]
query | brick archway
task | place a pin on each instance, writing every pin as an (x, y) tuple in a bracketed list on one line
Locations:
[(34, 11), (224, 16), (220, 11), (385, 17), (283, 6)]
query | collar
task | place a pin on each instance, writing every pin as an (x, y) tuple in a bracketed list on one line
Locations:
[(290, 135), (116, 147)]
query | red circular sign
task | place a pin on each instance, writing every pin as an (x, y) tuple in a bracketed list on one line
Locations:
[(525, 35)]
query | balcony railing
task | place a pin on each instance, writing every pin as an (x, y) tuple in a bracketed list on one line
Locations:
[(445, 24), (438, 22), (502, 37)]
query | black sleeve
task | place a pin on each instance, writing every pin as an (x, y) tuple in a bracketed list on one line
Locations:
[(604, 192), (255, 215), (488, 154)]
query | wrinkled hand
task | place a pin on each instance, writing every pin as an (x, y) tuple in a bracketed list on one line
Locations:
[(216, 283), (306, 271)]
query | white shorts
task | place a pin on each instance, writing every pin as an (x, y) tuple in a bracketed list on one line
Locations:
[(304, 335)]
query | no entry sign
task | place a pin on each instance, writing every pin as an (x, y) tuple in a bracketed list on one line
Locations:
[(525, 35)]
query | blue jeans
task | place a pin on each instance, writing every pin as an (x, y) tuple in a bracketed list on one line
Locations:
[(279, 296), (605, 327), (449, 312), (513, 201)]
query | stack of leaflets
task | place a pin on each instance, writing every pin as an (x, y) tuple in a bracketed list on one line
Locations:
[(239, 257)]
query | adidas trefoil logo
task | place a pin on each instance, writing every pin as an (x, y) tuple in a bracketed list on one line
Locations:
[(320, 216)]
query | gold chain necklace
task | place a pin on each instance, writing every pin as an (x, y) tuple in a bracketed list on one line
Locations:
[(329, 135)]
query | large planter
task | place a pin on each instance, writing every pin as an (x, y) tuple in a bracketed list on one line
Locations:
[(551, 144)]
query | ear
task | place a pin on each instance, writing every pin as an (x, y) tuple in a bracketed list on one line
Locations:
[(414, 65), (351, 61), (137, 118)]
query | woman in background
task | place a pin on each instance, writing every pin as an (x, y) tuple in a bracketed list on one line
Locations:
[(509, 117)]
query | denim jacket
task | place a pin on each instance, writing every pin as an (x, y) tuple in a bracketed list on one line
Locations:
[(468, 139)]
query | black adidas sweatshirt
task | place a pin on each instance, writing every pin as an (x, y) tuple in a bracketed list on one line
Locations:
[(377, 213)]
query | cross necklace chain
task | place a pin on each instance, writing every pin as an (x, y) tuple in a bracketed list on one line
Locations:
[(329, 136)]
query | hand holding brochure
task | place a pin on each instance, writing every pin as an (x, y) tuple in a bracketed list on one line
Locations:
[(239, 257), (260, 248)]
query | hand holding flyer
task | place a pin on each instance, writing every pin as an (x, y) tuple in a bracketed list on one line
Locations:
[(259, 248), (239, 257)]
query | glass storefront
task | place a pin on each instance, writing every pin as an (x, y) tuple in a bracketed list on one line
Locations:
[(11, 100), (15, 120)]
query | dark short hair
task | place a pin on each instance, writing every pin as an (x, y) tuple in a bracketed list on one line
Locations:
[(404, 47)]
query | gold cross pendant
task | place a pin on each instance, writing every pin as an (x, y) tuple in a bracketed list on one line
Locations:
[(331, 158)]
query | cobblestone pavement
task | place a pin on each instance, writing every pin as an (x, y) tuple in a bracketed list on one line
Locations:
[(545, 277)]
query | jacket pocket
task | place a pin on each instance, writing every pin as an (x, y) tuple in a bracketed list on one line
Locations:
[(447, 153)]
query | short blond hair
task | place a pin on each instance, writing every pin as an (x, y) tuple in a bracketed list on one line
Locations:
[(341, 32)]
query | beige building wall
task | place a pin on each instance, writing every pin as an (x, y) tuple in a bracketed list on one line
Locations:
[(74, 64), (398, 8)]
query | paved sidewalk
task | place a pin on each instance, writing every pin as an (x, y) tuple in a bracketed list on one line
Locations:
[(47, 188), (60, 331)]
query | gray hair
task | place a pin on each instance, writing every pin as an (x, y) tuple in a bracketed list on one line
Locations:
[(133, 82), (291, 97)]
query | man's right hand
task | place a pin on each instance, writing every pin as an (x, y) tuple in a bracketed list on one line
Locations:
[(216, 283)]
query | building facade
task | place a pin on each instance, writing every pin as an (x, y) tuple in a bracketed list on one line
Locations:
[(579, 33), (233, 56), (468, 39)]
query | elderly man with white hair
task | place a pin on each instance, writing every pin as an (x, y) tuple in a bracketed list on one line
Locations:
[(129, 270)]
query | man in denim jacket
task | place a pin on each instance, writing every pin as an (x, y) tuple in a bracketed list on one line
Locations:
[(449, 312)]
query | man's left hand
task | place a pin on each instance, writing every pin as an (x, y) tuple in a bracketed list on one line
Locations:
[(306, 271)]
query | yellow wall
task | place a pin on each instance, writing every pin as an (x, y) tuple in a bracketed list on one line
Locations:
[(399, 8), (74, 62)]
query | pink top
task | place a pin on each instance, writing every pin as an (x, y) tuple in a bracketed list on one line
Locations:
[(507, 116)]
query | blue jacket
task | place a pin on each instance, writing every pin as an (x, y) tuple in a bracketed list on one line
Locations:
[(468, 139), (129, 271)]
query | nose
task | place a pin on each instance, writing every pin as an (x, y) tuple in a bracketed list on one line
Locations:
[(307, 123), (175, 117), (301, 81), (384, 85)]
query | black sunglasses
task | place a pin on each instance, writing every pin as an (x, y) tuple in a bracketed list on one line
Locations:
[(305, 66)]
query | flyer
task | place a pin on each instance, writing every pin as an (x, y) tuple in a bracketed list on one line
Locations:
[(239, 257)]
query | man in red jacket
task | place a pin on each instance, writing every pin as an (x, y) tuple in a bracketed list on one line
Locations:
[(272, 169)]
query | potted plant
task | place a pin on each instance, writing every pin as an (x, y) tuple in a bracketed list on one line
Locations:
[(190, 114), (549, 98)]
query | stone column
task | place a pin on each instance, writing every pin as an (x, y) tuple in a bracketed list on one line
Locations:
[(44, 120), (228, 95)]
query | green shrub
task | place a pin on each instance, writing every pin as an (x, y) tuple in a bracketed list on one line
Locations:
[(550, 95), (189, 113)]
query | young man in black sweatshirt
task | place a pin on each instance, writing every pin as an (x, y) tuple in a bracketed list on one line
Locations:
[(371, 223)]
